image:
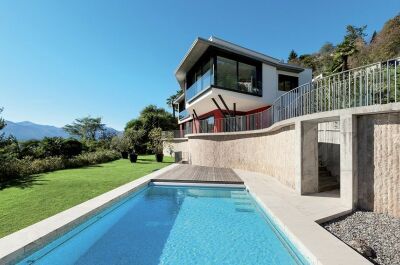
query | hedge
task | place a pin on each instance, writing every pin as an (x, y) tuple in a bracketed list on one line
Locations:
[(14, 169)]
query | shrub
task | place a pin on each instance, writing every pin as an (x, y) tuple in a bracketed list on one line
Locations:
[(71, 147), (51, 146), (92, 158), (156, 142), (31, 148), (13, 168), (120, 143), (134, 138)]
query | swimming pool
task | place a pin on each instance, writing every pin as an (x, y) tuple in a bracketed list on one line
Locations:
[(174, 225)]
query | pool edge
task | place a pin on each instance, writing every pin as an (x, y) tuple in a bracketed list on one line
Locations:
[(21, 243)]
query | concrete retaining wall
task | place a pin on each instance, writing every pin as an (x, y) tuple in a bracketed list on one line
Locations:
[(175, 146), (379, 163), (329, 146), (270, 153)]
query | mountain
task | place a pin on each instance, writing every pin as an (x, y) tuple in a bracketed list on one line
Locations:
[(27, 130)]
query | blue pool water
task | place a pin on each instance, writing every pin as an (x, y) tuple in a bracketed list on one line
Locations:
[(170, 225)]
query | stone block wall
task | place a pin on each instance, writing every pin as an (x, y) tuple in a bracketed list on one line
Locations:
[(271, 153), (379, 163)]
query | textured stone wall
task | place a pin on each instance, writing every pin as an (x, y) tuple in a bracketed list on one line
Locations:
[(269, 153), (379, 163), (175, 145)]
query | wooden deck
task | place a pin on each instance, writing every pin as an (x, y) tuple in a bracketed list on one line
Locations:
[(198, 174)]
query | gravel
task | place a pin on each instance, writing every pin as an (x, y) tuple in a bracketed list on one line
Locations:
[(379, 231)]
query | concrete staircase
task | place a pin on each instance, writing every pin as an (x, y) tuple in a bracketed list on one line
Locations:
[(325, 180)]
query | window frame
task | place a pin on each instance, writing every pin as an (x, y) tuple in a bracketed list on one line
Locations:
[(294, 82)]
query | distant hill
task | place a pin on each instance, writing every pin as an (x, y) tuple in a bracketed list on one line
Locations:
[(27, 130)]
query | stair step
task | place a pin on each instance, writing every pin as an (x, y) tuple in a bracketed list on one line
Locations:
[(241, 192), (328, 187), (245, 209)]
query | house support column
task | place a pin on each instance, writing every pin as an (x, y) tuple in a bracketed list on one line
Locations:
[(348, 160), (306, 154)]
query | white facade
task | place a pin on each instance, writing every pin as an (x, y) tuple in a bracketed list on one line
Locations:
[(207, 99)]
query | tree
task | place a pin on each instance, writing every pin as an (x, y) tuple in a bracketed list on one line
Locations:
[(71, 147), (134, 138), (51, 146), (2, 125), (120, 143), (156, 143), (292, 56), (348, 47), (386, 44), (373, 37), (87, 128), (151, 117), (171, 99), (327, 48)]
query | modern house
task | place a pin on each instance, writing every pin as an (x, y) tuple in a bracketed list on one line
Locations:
[(221, 79)]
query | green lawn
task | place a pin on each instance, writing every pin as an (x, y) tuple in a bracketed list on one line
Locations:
[(50, 193)]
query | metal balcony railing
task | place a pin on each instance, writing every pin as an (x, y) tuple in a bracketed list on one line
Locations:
[(373, 84), (201, 84), (183, 114)]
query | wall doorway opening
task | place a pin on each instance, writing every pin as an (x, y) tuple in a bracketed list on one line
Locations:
[(329, 156)]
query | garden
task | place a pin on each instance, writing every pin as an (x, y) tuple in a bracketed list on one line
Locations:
[(90, 144), (40, 178)]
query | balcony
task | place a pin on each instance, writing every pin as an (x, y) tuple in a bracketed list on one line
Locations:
[(183, 114), (200, 85)]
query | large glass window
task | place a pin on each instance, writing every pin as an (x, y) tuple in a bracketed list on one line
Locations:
[(226, 73), (287, 82), (247, 78), (230, 71)]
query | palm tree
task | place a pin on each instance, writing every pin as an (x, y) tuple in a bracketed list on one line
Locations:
[(171, 99)]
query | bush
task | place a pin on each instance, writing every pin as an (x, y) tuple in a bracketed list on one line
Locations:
[(51, 146), (93, 158), (31, 148), (12, 169), (156, 143), (71, 147)]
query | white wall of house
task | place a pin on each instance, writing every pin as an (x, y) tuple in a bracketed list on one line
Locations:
[(270, 81), (305, 76)]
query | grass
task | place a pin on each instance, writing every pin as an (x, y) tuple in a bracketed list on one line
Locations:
[(53, 192)]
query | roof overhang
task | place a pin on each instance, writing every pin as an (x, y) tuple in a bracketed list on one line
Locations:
[(179, 99), (200, 45)]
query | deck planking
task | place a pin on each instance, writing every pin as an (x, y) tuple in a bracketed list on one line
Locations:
[(199, 174)]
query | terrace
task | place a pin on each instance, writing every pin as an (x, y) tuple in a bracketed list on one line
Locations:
[(373, 84)]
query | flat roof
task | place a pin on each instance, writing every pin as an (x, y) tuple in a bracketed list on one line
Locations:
[(200, 45)]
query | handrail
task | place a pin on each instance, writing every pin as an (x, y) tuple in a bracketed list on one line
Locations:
[(362, 86)]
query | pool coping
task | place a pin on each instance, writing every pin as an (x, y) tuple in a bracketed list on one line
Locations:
[(198, 184), (19, 244), (298, 229), (316, 244)]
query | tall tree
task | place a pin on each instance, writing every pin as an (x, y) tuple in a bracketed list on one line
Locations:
[(386, 44), (292, 56), (2, 125), (171, 99), (151, 117), (373, 37), (86, 128), (348, 47)]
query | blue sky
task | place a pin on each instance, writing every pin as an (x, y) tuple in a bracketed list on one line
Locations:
[(60, 60)]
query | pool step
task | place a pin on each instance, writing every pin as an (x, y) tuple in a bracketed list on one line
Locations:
[(242, 201)]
